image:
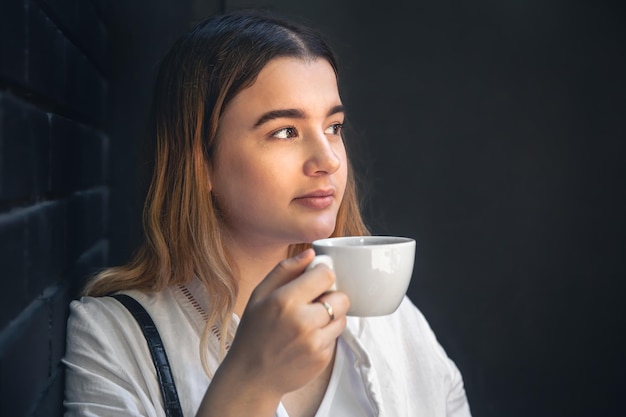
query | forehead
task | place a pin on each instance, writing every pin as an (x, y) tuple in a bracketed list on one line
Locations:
[(287, 82), (298, 66)]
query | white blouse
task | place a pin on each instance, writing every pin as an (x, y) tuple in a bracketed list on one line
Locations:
[(390, 366)]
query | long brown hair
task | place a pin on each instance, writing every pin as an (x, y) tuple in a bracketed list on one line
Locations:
[(202, 72)]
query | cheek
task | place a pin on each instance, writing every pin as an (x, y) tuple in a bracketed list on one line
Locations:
[(343, 183), (342, 174), (243, 183)]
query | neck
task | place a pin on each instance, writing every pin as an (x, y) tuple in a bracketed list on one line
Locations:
[(253, 263)]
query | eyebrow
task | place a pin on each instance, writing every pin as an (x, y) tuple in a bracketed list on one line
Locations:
[(293, 114)]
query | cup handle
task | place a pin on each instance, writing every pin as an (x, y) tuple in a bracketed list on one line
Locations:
[(326, 260)]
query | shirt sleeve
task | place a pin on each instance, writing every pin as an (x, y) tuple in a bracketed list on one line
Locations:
[(105, 367)]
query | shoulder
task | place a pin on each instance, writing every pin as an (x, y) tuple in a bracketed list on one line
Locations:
[(103, 343), (108, 316), (99, 326), (101, 312), (107, 361), (97, 312)]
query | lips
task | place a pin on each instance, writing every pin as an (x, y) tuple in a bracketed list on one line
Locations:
[(318, 199)]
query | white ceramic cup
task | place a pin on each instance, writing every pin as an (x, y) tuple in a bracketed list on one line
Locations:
[(374, 271)]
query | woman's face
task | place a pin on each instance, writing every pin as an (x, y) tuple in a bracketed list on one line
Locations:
[(279, 173)]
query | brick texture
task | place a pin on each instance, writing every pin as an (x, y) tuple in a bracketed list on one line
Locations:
[(75, 85), (24, 365), (54, 156)]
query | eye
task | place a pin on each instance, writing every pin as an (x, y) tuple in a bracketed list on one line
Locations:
[(285, 133), (334, 129)]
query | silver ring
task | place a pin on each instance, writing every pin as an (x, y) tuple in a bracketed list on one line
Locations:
[(329, 309)]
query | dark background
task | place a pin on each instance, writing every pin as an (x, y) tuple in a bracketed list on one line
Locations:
[(491, 131)]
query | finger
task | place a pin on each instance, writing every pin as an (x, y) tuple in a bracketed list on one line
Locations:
[(328, 334), (319, 315), (285, 271), (310, 285), (338, 300)]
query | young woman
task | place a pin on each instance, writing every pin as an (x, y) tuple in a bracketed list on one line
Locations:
[(250, 168)]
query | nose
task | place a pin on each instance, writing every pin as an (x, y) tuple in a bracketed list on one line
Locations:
[(322, 157)]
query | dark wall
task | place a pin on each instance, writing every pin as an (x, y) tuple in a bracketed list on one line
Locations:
[(75, 80), (53, 197), (493, 132)]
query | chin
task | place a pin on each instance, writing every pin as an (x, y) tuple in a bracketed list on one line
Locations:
[(320, 232)]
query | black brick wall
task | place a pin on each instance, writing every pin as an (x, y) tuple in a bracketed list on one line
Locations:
[(75, 82), (53, 187)]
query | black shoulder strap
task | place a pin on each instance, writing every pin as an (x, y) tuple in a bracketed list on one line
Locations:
[(157, 350)]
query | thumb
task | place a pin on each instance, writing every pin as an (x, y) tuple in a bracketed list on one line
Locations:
[(285, 271)]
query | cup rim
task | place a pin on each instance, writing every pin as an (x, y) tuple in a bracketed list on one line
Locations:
[(390, 241)]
